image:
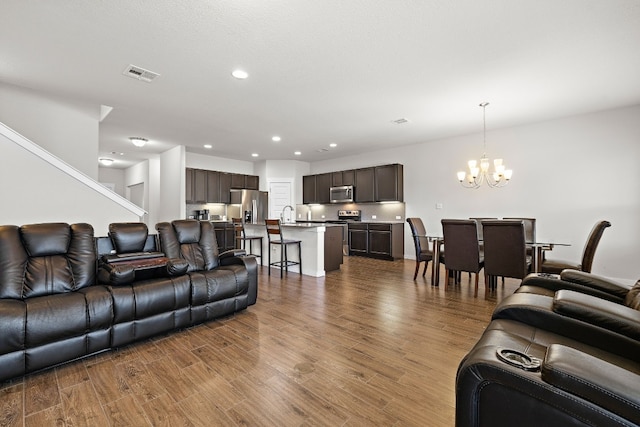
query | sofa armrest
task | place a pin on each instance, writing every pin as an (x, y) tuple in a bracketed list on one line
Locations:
[(232, 253), (604, 314), (177, 267), (600, 283), (554, 282), (595, 380), (250, 263), (116, 274)]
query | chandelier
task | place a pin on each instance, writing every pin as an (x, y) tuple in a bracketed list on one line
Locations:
[(479, 175)]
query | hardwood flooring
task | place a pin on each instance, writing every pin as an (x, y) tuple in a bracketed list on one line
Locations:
[(363, 346)]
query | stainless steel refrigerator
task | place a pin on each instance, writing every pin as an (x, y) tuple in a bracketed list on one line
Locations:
[(253, 204)]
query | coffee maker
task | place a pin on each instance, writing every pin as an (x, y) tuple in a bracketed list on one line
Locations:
[(202, 215)]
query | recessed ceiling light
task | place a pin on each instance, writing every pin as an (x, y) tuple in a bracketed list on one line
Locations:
[(106, 161), (208, 146), (254, 154), (276, 138), (138, 141), (240, 74), (297, 153), (333, 145)]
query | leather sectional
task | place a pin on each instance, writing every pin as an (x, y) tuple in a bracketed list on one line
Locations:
[(65, 294), (562, 351)]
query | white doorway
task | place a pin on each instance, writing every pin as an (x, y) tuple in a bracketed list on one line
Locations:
[(280, 195)]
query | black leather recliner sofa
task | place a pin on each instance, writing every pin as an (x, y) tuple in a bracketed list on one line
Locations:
[(553, 355), (65, 295)]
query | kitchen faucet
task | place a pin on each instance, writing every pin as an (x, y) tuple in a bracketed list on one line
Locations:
[(283, 209)]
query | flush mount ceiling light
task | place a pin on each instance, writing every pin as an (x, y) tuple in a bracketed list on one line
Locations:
[(297, 153), (105, 161), (276, 138), (240, 74), (208, 146), (478, 175), (138, 141), (333, 145), (254, 154)]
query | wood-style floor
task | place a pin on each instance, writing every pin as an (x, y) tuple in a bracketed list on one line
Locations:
[(363, 346)]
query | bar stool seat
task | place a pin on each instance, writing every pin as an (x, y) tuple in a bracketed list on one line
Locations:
[(274, 229), (242, 238)]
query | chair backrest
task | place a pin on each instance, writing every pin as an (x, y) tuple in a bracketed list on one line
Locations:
[(45, 259), (273, 228), (238, 227), (479, 220), (191, 240), (419, 234), (126, 238), (529, 228), (461, 250), (505, 252), (592, 244)]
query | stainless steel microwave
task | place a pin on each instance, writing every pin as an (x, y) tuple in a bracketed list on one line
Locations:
[(342, 194)]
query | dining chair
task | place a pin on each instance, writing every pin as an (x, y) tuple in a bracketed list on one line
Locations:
[(274, 234), (421, 244), (556, 266), (505, 250), (242, 238), (529, 228), (461, 250)]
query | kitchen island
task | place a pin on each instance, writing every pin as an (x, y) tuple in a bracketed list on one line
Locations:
[(321, 246)]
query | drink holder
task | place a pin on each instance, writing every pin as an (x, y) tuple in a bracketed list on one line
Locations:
[(519, 359)]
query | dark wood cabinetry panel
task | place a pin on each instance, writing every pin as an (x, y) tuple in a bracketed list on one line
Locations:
[(238, 180), (323, 186), (336, 179), (200, 186), (358, 240), (389, 183), (252, 182), (332, 248), (225, 187), (364, 183), (309, 189), (377, 240), (225, 236), (189, 185), (348, 177), (213, 187)]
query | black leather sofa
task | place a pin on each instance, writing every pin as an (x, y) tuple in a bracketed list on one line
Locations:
[(65, 294), (555, 354)]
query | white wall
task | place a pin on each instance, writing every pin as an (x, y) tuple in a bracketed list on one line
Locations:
[(68, 129), (113, 176), (568, 174), (50, 195), (213, 163), (172, 184)]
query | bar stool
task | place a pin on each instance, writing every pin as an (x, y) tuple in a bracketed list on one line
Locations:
[(242, 238), (273, 228)]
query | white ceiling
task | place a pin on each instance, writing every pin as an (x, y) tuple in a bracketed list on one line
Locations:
[(321, 71)]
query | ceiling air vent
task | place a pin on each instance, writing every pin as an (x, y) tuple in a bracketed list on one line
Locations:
[(400, 121), (139, 73)]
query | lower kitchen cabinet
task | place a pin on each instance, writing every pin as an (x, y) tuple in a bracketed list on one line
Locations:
[(377, 240), (332, 248), (225, 236)]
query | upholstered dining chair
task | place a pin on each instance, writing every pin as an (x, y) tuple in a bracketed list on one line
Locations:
[(461, 250), (556, 266), (421, 244), (505, 251)]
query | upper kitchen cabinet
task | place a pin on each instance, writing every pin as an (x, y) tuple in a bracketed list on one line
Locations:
[(323, 186), (238, 180), (389, 183), (252, 182), (343, 178), (196, 186), (364, 185), (225, 187), (213, 187), (309, 189)]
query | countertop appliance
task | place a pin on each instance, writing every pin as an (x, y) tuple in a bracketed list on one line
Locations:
[(254, 205), (342, 194)]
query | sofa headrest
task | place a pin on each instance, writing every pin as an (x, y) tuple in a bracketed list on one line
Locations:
[(128, 236), (187, 231), (46, 239), (633, 297)]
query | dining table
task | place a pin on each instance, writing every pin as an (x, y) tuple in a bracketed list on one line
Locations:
[(538, 248)]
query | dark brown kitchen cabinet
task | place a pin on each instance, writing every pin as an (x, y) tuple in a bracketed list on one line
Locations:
[(188, 195), (238, 180), (252, 182), (389, 183), (377, 240), (336, 179), (343, 178), (225, 236), (364, 185), (196, 186), (309, 189), (225, 187), (213, 187), (323, 186)]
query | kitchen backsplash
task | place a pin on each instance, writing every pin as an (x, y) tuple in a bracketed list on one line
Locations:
[(394, 211)]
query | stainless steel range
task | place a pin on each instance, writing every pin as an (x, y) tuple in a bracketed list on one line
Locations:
[(344, 218)]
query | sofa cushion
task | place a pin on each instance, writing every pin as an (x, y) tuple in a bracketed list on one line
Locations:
[(46, 239), (128, 237)]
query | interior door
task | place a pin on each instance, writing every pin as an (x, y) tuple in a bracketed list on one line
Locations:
[(279, 197)]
